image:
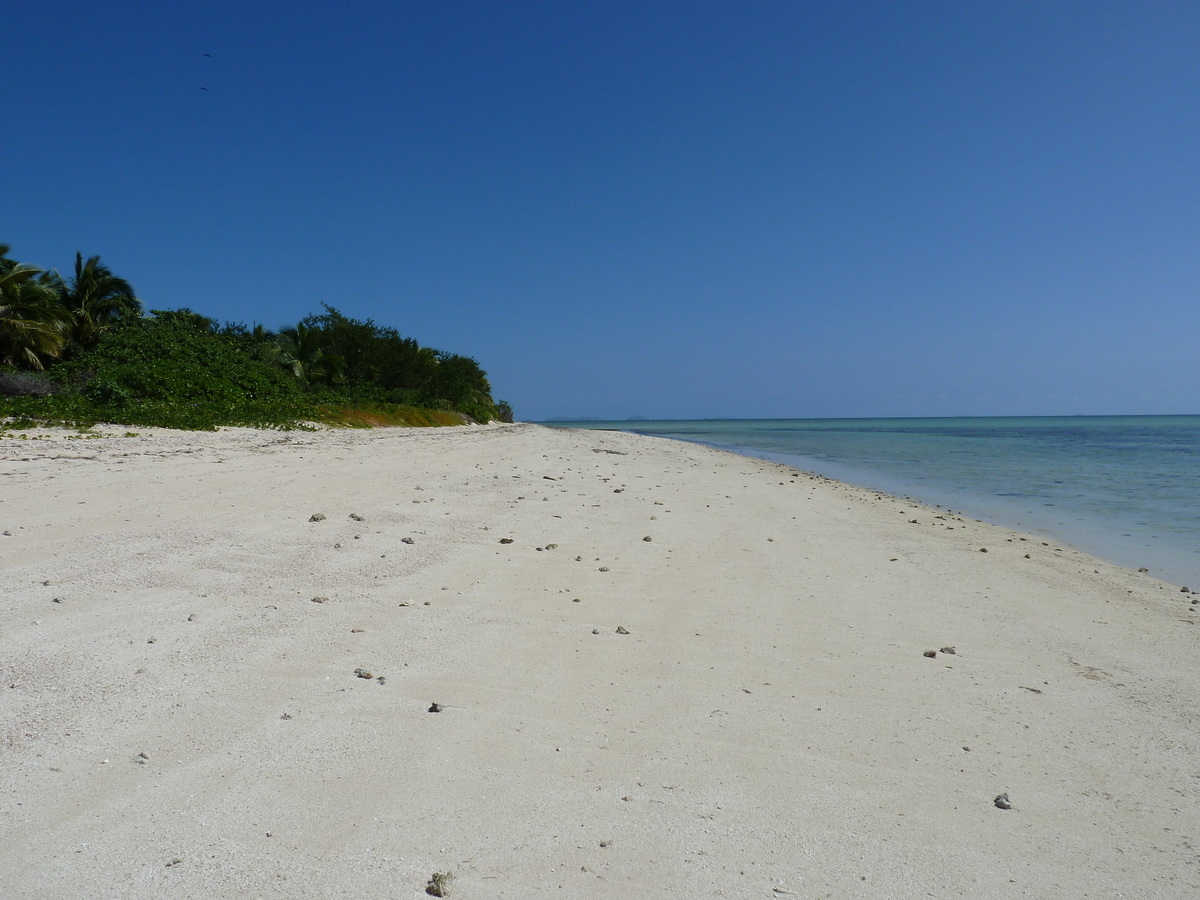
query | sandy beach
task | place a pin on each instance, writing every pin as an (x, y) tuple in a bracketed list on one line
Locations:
[(662, 671)]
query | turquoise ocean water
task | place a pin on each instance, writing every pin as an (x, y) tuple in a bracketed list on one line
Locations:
[(1125, 488)]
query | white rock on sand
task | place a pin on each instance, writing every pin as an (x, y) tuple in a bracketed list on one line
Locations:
[(185, 722)]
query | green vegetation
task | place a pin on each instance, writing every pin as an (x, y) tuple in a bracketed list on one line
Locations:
[(81, 351)]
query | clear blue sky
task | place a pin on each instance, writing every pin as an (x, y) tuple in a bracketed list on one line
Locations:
[(750, 209)]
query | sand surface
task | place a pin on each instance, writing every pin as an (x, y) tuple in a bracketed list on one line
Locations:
[(180, 719)]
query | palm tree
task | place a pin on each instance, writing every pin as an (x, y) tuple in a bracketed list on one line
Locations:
[(33, 325), (97, 299), (299, 351)]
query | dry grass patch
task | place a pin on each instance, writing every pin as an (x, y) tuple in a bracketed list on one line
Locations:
[(386, 416)]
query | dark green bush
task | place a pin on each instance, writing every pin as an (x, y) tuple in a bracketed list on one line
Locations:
[(380, 365), (171, 370)]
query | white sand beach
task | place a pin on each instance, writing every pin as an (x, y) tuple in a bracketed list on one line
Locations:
[(180, 719)]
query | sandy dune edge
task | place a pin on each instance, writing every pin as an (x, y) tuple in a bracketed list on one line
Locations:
[(769, 726)]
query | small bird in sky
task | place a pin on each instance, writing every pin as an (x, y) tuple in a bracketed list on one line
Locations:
[(204, 89), (209, 55)]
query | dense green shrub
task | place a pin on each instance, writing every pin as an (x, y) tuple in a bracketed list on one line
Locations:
[(382, 365), (171, 370), (173, 356)]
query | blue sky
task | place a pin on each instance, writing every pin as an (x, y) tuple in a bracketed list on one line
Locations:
[(675, 210)]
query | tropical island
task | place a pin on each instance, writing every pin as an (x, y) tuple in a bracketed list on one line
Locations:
[(82, 350)]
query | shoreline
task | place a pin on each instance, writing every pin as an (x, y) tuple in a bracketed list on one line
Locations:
[(1094, 541), (1131, 538), (769, 724)]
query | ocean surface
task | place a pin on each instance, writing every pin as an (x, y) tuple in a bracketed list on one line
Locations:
[(1125, 488)]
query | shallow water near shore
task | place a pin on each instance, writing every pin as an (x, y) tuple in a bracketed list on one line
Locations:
[(1126, 488)]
